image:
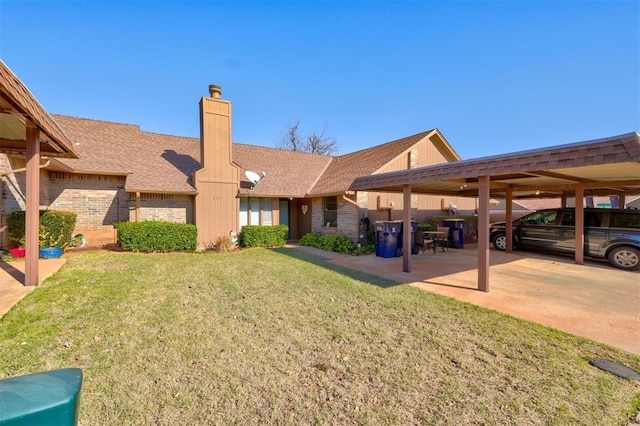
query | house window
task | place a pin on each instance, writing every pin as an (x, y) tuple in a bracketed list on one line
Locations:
[(255, 211), (331, 211)]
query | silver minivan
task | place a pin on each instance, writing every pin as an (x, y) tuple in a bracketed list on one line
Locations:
[(612, 234)]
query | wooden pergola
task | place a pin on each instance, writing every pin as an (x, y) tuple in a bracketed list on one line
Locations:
[(608, 166), (27, 129)]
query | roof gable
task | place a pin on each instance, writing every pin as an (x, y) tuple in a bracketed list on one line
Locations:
[(344, 169)]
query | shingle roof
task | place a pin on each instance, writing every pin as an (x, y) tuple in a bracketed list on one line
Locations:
[(153, 162), (344, 169), (593, 163), (21, 101), (162, 163), (288, 173)]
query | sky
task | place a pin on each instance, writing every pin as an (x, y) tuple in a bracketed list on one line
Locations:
[(493, 76)]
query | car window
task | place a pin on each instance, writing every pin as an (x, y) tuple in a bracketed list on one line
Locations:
[(625, 220), (569, 218), (593, 219), (547, 217)]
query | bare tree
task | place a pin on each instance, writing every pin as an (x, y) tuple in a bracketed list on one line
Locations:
[(315, 143)]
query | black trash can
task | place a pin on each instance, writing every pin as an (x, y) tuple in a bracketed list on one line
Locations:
[(414, 249), (456, 232), (386, 238)]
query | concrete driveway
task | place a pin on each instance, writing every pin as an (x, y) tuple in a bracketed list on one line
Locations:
[(593, 300)]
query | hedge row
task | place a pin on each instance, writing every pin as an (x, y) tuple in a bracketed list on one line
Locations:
[(157, 236), (56, 227), (263, 236), (336, 243)]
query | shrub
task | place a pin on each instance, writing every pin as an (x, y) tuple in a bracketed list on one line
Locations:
[(56, 227), (223, 244), (263, 236), (365, 249), (336, 243), (157, 236)]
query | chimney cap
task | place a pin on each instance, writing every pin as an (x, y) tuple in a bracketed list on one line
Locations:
[(215, 91)]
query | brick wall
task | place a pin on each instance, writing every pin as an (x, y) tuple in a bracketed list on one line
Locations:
[(98, 201), (348, 218), (169, 207)]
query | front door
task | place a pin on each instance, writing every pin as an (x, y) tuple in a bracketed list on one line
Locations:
[(283, 205)]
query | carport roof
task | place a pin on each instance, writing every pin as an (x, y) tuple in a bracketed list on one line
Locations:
[(19, 109), (602, 166)]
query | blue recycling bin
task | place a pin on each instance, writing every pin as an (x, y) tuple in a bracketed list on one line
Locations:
[(386, 238), (456, 231), (414, 248)]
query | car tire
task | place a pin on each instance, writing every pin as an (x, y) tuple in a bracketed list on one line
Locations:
[(499, 241), (625, 258)]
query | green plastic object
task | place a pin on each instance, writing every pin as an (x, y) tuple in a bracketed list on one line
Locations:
[(47, 398)]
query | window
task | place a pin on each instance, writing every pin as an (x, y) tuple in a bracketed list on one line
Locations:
[(255, 211), (544, 217), (331, 211)]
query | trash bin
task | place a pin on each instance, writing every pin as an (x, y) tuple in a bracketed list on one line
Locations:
[(414, 249), (456, 231), (386, 238), (48, 398)]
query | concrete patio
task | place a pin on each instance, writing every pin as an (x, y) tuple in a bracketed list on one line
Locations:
[(12, 277)]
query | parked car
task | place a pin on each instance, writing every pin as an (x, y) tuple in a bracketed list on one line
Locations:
[(612, 234)]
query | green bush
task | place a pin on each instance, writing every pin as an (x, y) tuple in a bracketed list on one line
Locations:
[(334, 243), (263, 236), (56, 227), (311, 240), (157, 236)]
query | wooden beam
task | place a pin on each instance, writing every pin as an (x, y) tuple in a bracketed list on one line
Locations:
[(406, 231), (483, 233), (32, 214), (559, 176), (579, 218), (509, 220)]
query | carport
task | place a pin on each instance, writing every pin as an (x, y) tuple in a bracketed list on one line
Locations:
[(27, 129), (607, 166)]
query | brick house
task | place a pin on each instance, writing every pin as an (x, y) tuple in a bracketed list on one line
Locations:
[(126, 174)]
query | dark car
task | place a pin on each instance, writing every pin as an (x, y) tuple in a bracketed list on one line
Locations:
[(612, 234)]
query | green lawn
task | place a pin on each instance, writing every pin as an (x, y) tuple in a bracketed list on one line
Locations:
[(281, 337)]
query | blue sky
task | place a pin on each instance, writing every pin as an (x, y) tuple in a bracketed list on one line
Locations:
[(493, 76)]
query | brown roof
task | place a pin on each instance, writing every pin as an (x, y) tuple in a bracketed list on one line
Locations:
[(288, 173), (17, 100), (597, 164), (165, 164), (152, 162), (344, 169), (162, 163)]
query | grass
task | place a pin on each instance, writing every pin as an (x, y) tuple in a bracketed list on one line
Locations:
[(281, 337)]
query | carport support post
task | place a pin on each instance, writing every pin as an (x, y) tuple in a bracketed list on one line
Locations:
[(483, 233), (32, 213), (579, 225), (406, 233), (509, 220)]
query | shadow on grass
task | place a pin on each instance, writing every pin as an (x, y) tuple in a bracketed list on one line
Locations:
[(324, 263)]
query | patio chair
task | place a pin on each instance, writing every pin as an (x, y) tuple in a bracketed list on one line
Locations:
[(444, 241)]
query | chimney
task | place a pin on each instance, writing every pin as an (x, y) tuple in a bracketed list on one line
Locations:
[(217, 182), (215, 91)]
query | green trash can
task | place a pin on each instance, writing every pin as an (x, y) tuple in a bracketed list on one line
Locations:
[(47, 398)]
